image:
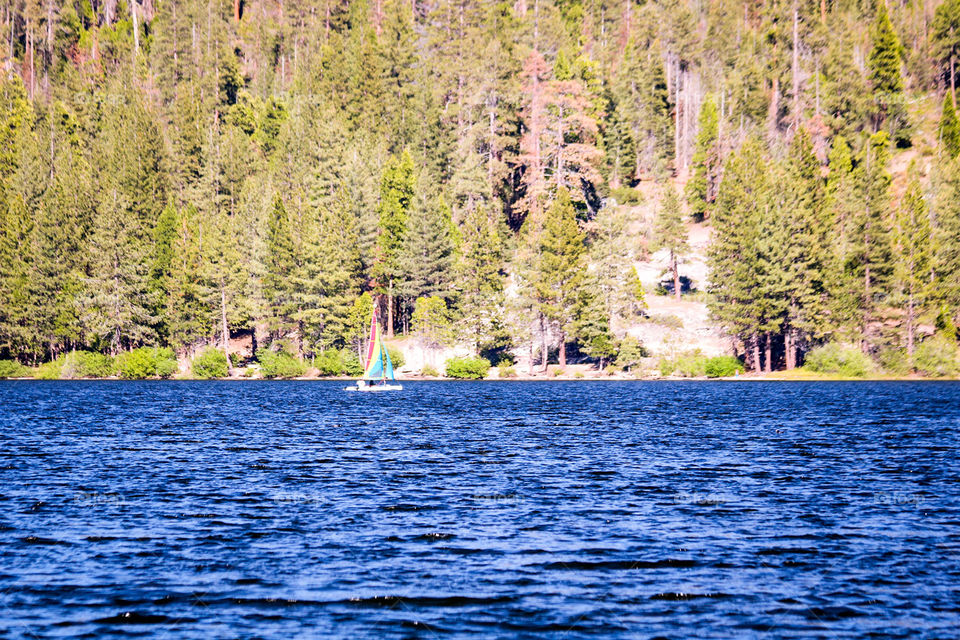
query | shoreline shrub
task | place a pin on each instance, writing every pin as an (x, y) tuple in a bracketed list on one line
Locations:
[(467, 368), (722, 367), (937, 357), (333, 362), (12, 369), (280, 364), (839, 359), (211, 363)]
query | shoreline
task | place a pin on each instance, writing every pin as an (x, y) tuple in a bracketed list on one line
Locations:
[(777, 376)]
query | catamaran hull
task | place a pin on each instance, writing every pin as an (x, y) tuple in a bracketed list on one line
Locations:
[(377, 387)]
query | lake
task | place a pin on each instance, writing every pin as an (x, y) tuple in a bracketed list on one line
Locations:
[(489, 509)]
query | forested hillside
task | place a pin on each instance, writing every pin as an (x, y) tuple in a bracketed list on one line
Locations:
[(174, 172)]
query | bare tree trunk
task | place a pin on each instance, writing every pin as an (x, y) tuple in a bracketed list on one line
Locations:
[(910, 323), (768, 353), (136, 30), (788, 349), (563, 350), (236, 10), (795, 70), (543, 337), (756, 353), (676, 275), (953, 82), (224, 329)]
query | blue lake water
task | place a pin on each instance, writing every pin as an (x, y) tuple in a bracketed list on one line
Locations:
[(562, 509)]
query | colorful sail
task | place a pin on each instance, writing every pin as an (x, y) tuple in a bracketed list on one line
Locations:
[(378, 365)]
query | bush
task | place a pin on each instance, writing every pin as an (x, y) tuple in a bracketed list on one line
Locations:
[(630, 353), (211, 363), (578, 375), (280, 364), (338, 363), (558, 372), (12, 369), (49, 370), (627, 196), (894, 360), (396, 357), (937, 356), (839, 359), (146, 362), (86, 364), (722, 367), (166, 362), (687, 365), (468, 368), (429, 371), (507, 372)]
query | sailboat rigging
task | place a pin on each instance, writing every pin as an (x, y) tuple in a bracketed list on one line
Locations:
[(378, 369)]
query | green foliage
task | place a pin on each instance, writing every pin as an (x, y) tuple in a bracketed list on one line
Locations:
[(280, 364), (48, 370), (702, 186), (87, 364), (666, 320), (630, 354), (507, 372), (949, 128), (627, 196), (687, 365), (429, 371), (12, 369), (937, 357), (722, 367), (396, 356), (839, 359), (467, 368), (211, 363), (339, 362), (431, 322), (146, 362)]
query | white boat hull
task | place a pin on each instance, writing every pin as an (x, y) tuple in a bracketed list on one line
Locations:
[(375, 387)]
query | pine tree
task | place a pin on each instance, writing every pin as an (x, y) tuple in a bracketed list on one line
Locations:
[(871, 252), (949, 129), (283, 261), (479, 279), (592, 328), (396, 199), (913, 255), (671, 234), (702, 186), (736, 254), (885, 62), (186, 311), (945, 208), (945, 38), (428, 252), (560, 268)]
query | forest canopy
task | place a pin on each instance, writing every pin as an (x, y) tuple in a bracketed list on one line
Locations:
[(175, 172)]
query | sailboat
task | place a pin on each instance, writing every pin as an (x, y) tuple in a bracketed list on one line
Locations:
[(378, 370)]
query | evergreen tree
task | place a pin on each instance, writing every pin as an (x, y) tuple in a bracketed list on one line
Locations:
[(428, 252), (702, 186), (396, 199), (949, 129), (479, 278), (945, 37), (885, 62), (283, 261), (870, 258), (671, 234), (913, 255), (560, 268), (592, 328)]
